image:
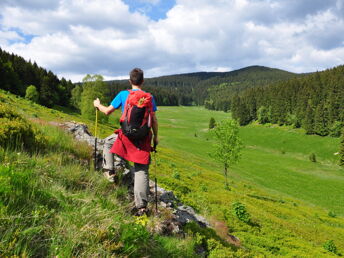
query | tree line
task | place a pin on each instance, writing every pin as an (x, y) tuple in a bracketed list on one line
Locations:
[(314, 102)]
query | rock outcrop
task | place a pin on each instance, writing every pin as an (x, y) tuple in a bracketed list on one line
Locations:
[(182, 214)]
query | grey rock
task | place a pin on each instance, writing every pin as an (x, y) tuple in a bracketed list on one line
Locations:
[(182, 214)]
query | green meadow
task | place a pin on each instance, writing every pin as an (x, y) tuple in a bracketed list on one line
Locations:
[(295, 206), (275, 158)]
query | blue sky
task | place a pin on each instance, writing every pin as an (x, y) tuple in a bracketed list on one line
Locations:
[(154, 9), (110, 37)]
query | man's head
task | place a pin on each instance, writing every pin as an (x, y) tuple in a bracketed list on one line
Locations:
[(136, 77)]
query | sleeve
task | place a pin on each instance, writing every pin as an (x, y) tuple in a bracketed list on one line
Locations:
[(154, 104), (116, 102)]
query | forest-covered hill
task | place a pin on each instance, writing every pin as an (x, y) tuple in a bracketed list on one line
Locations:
[(192, 88), (17, 74), (314, 102)]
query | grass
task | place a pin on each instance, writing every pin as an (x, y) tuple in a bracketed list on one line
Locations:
[(294, 205), (276, 158)]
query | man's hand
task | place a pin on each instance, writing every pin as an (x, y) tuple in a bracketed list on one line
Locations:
[(155, 140), (96, 103)]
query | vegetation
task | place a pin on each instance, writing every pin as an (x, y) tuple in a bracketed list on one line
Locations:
[(314, 102), (32, 93), (93, 87), (17, 74), (75, 212), (228, 145), (341, 151), (212, 123)]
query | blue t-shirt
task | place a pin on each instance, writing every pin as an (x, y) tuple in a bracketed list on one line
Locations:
[(121, 98)]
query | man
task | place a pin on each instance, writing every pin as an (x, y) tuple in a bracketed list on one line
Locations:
[(128, 150)]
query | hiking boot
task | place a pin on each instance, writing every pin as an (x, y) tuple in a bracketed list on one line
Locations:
[(142, 211), (109, 175)]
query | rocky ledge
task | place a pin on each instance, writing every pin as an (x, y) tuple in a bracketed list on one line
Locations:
[(182, 214)]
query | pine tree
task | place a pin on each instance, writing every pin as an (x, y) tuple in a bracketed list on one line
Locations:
[(341, 150), (263, 115), (212, 123), (308, 122), (321, 120)]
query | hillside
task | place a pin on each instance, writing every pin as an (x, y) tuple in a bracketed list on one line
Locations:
[(192, 88), (314, 102), (17, 74), (73, 211)]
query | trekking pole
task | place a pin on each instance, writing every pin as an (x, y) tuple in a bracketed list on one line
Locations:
[(95, 141), (155, 180)]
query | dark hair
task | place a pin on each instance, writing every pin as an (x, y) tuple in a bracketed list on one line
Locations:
[(136, 76)]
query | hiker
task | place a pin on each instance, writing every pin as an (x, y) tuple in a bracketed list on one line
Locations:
[(128, 143)]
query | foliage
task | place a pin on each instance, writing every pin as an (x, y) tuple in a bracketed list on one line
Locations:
[(133, 236), (335, 129), (276, 189), (17, 74), (313, 157), (239, 210), (228, 144), (330, 246), (312, 101), (341, 150), (263, 115), (16, 132), (32, 93), (93, 87), (212, 123)]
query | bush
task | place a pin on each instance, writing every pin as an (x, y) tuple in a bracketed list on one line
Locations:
[(134, 237), (17, 132), (212, 123), (332, 214), (32, 93), (335, 129), (239, 210), (313, 157), (330, 246)]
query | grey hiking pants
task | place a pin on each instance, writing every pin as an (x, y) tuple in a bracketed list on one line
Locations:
[(141, 176)]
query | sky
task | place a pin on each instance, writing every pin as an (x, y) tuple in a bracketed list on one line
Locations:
[(73, 38)]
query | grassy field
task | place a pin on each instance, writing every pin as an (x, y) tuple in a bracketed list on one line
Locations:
[(295, 206), (276, 158)]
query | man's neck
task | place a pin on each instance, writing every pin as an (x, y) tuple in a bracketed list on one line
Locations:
[(136, 87)]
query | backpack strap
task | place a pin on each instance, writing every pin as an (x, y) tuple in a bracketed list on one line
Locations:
[(126, 108)]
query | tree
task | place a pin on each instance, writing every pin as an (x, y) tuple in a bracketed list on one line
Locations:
[(263, 115), (212, 123), (32, 93), (228, 146), (341, 150), (93, 87)]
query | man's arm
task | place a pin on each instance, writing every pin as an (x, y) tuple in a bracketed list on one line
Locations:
[(106, 110), (155, 129)]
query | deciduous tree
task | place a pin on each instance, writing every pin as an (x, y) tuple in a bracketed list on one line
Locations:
[(228, 144)]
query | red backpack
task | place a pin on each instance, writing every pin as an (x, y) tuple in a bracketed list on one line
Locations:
[(136, 119)]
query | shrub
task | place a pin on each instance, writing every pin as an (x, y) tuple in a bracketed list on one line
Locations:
[(134, 237), (239, 210), (264, 115), (335, 129), (313, 157), (212, 123), (16, 132), (330, 246), (32, 93), (176, 175), (332, 214)]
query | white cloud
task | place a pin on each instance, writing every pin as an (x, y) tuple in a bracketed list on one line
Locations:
[(76, 37)]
